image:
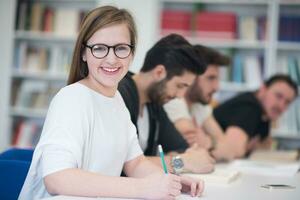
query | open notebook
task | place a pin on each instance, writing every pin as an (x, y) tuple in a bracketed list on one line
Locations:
[(218, 176), (267, 168), (276, 156)]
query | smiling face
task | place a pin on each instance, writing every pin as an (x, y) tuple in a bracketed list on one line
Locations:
[(276, 98), (165, 90), (105, 73)]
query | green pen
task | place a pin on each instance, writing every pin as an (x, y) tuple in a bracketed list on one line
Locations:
[(162, 157)]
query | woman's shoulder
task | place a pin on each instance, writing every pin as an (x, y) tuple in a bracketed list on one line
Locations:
[(71, 94)]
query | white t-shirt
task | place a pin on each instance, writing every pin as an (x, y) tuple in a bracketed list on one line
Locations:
[(178, 109), (85, 130), (143, 127)]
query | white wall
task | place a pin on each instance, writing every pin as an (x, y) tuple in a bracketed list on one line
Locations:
[(7, 21), (146, 15)]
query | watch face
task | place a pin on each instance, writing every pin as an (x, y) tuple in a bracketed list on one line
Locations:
[(178, 163)]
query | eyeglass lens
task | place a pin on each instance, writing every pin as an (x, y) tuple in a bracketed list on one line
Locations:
[(121, 50)]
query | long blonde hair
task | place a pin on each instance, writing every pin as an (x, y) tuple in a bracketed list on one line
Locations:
[(96, 19)]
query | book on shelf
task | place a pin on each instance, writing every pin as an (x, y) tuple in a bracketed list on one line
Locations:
[(252, 71), (59, 60), (218, 176), (38, 16), (66, 22), (237, 69), (43, 59), (178, 21), (27, 133), (247, 27), (21, 15), (30, 93), (31, 58), (289, 28), (48, 20), (36, 94), (252, 28), (217, 25)]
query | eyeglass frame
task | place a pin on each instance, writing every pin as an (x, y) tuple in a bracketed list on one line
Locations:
[(109, 47)]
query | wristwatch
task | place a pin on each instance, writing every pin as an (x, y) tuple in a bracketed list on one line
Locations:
[(177, 164)]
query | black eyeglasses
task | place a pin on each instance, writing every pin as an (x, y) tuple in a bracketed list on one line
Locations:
[(101, 50)]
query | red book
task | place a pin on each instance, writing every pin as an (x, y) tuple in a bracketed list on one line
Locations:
[(48, 20), (216, 25), (176, 19), (216, 21)]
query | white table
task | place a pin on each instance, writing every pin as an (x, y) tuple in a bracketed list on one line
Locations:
[(246, 187)]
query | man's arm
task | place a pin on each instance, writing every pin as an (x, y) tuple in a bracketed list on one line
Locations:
[(211, 126), (232, 145), (169, 137)]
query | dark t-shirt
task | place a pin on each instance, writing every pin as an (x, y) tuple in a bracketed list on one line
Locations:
[(244, 111), (161, 129)]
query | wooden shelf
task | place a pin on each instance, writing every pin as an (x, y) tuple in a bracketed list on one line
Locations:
[(250, 2), (28, 112), (39, 76), (295, 46), (241, 44), (43, 36), (235, 87)]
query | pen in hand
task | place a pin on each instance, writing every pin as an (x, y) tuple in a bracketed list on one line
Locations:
[(162, 158)]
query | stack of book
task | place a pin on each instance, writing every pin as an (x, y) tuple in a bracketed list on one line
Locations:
[(176, 21), (289, 28), (216, 25), (37, 17)]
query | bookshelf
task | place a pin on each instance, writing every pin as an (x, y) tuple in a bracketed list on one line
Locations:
[(43, 33), (261, 36), (269, 49)]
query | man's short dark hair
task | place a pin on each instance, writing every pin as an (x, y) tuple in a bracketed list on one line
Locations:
[(176, 54), (211, 56), (283, 78)]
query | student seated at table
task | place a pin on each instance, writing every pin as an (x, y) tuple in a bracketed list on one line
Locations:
[(192, 114), (88, 138), (169, 68), (246, 118)]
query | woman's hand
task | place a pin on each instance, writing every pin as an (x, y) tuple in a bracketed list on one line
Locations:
[(192, 186), (161, 186)]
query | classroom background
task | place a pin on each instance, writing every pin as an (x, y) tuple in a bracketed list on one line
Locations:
[(262, 37)]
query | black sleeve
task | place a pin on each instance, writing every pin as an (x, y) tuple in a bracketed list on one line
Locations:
[(130, 96), (169, 137), (247, 118)]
